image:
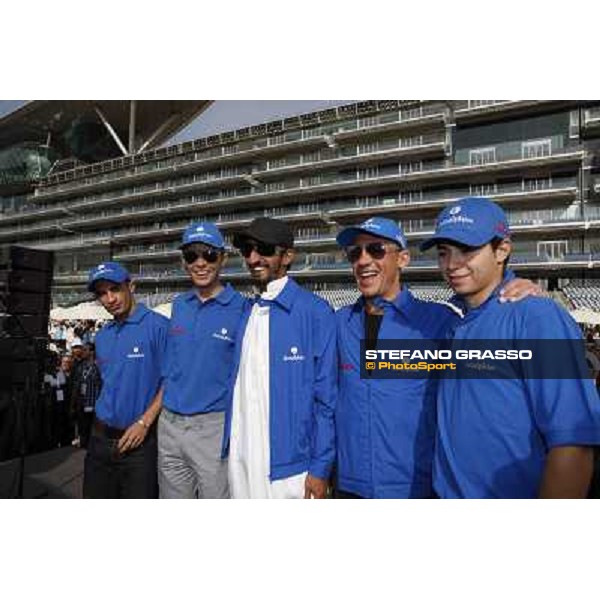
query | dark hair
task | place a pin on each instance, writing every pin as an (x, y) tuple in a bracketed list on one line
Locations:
[(495, 245)]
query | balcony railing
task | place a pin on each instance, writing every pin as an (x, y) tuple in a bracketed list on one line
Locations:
[(359, 124)]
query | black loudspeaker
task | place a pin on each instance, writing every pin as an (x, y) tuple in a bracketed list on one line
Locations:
[(19, 257), (25, 286)]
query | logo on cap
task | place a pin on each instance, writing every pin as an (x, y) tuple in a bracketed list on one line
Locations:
[(200, 228), (455, 210), (371, 224), (502, 228)]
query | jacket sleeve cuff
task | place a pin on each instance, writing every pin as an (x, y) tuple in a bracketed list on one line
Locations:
[(320, 469)]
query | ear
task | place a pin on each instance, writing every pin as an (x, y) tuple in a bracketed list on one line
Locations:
[(287, 258), (403, 259), (503, 250), (131, 287), (224, 258)]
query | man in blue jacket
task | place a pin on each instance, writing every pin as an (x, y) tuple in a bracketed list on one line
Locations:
[(519, 437), (385, 427), (280, 426), (121, 457), (204, 322)]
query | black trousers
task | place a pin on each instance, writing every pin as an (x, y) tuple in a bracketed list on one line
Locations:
[(109, 474), (84, 425), (62, 425), (342, 495)]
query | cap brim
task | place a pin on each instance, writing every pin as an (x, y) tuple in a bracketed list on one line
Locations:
[(184, 244), (92, 284), (465, 238), (240, 238), (347, 236)]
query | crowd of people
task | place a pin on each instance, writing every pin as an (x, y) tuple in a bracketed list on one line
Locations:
[(591, 335), (266, 397), (61, 414), (64, 334), (71, 385)]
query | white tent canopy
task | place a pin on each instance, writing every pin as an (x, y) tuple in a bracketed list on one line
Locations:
[(586, 316), (164, 309), (92, 311)]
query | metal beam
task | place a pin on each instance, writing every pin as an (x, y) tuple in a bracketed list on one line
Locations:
[(157, 133), (110, 129), (132, 114)]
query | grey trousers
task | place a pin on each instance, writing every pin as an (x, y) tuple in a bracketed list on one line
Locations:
[(189, 456)]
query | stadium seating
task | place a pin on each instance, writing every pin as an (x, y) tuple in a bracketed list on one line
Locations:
[(583, 294), (348, 295)]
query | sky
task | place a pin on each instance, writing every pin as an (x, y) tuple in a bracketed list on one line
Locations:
[(227, 115)]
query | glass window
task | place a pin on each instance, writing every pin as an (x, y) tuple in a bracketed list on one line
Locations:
[(411, 113), (276, 163), (537, 183), (391, 117), (478, 103), (368, 148), (482, 156), (537, 148), (483, 189), (367, 122)]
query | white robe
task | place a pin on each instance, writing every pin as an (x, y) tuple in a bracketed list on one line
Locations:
[(249, 446)]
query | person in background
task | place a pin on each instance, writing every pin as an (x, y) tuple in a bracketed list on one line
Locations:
[(63, 425), (90, 383)]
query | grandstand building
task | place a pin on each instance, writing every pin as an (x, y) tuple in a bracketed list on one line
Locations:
[(320, 171)]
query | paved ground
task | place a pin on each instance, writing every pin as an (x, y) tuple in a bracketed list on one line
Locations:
[(54, 474)]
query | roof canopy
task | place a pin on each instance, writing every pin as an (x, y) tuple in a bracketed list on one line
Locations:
[(136, 124)]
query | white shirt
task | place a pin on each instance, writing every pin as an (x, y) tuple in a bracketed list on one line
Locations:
[(249, 449)]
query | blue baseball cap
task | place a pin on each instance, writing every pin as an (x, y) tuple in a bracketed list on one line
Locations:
[(470, 221), (377, 226), (203, 232), (108, 271)]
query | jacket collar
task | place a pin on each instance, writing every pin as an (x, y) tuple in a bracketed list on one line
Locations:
[(286, 296), (224, 297), (402, 303), (138, 314)]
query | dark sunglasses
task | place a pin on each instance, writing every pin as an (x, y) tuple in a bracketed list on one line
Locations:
[(376, 250), (261, 248), (210, 255)]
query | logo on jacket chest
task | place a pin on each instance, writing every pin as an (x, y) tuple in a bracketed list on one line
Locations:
[(223, 334), (136, 352), (293, 355)]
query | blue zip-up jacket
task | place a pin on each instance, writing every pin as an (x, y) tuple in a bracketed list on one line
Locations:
[(385, 428), (302, 389)]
